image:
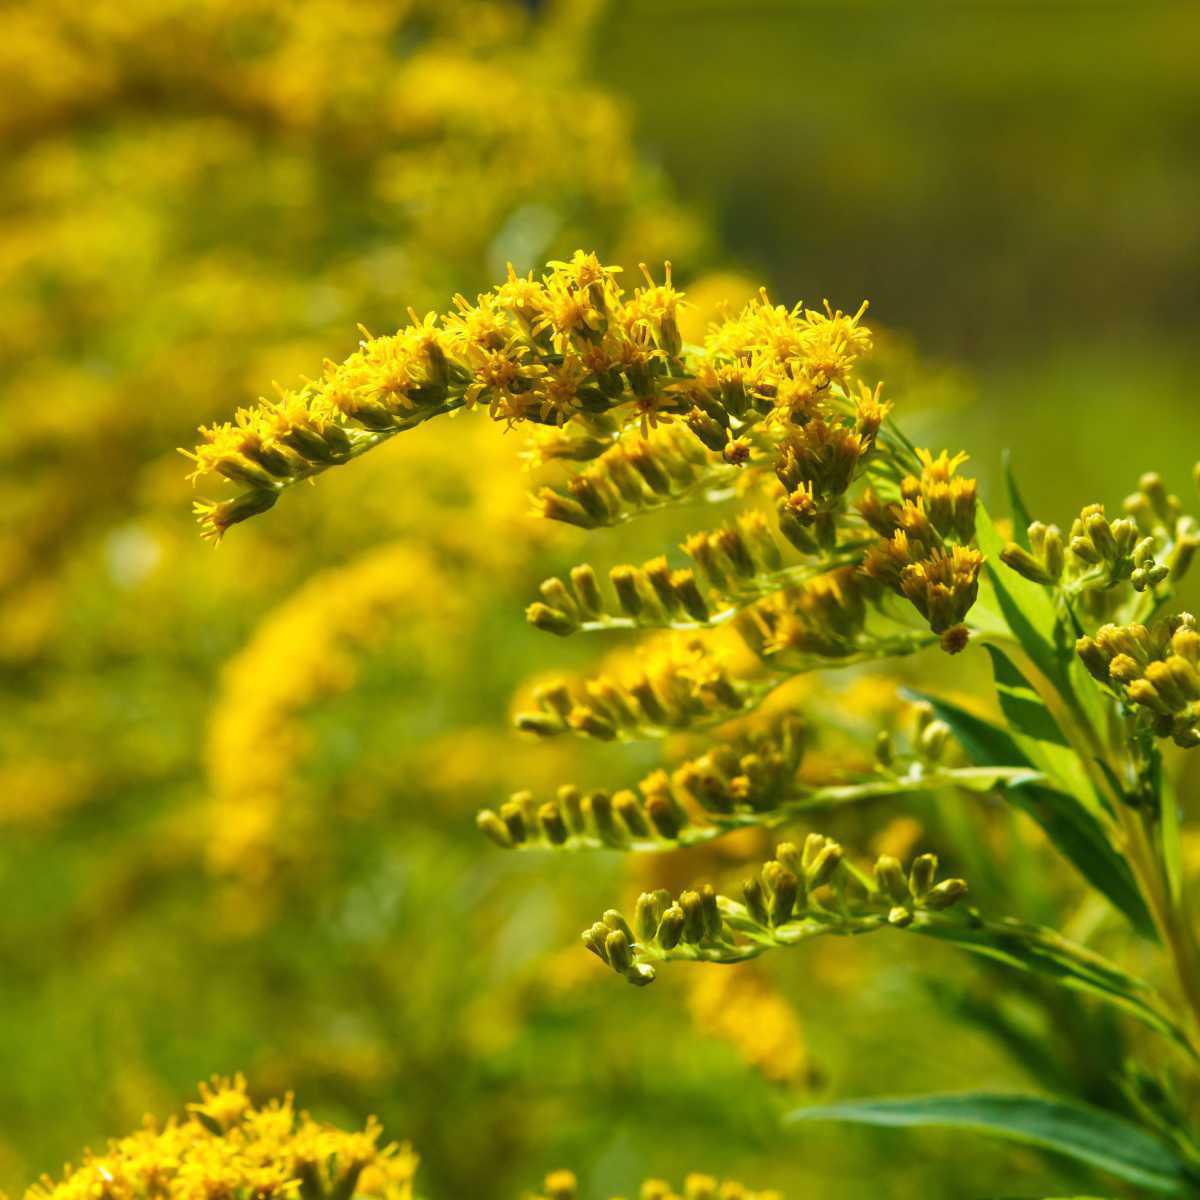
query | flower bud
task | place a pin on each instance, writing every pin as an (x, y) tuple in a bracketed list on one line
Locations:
[(550, 620), (889, 876), (487, 822), (825, 866), (1020, 560), (552, 824), (945, 894), (670, 929), (587, 590), (619, 953), (922, 874)]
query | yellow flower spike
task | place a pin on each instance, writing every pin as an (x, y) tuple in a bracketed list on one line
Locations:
[(572, 351)]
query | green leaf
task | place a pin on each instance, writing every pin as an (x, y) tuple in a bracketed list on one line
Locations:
[(1020, 514), (1071, 828), (1087, 1135), (1028, 612), (1172, 844), (1045, 952), (1037, 732)]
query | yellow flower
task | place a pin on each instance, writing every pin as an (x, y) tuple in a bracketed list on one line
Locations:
[(227, 1147)]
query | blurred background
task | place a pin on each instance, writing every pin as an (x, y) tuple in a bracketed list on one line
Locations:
[(237, 788)]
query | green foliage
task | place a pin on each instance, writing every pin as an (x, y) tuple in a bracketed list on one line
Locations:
[(1096, 1138)]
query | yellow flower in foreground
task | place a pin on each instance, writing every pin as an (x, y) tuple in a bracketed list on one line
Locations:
[(226, 1147)]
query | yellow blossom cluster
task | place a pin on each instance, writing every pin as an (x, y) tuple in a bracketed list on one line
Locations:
[(262, 170), (742, 1008), (562, 1185), (227, 1146), (771, 392), (570, 346), (307, 651)]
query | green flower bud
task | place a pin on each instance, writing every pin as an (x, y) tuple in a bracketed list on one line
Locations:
[(690, 595), (693, 917), (1020, 560), (666, 816), (889, 876), (514, 822), (1054, 553), (922, 874), (629, 808), (619, 953), (756, 901), (587, 590), (595, 938), (658, 572), (550, 620), (945, 894), (590, 723), (553, 826), (825, 866), (487, 822), (713, 922), (648, 914), (571, 804), (625, 584), (784, 888), (670, 929)]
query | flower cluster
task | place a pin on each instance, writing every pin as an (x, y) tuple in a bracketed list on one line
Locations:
[(226, 1146), (1100, 560), (571, 347), (743, 1009), (562, 1185), (1156, 668), (306, 651)]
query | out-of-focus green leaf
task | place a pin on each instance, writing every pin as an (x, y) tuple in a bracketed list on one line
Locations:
[(1072, 829), (1047, 953), (1087, 1135)]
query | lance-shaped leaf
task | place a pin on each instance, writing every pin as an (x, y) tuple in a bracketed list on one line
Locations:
[(1025, 611), (1087, 1135)]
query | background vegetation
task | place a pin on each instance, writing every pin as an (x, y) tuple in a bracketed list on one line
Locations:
[(237, 789)]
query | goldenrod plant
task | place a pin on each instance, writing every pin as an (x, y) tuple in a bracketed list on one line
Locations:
[(830, 542)]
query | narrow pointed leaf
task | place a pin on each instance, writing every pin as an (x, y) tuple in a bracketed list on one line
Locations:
[(1020, 514), (1087, 1135), (1047, 953)]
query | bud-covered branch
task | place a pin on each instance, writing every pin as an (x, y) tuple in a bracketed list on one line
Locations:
[(747, 779), (802, 892)]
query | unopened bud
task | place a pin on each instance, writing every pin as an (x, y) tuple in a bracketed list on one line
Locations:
[(488, 823), (552, 823), (1020, 560), (944, 894), (922, 874), (670, 928), (619, 953), (889, 875), (825, 866), (587, 590)]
